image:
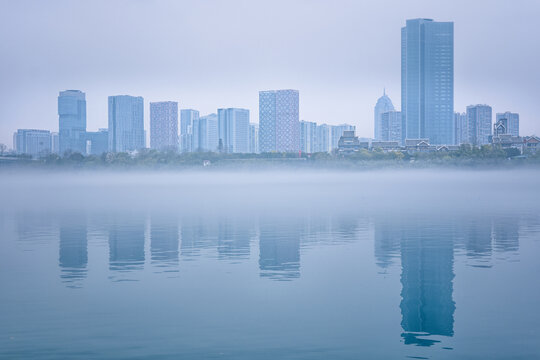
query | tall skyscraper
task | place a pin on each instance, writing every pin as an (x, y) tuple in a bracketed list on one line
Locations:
[(233, 127), (390, 126), (164, 125), (32, 142), (512, 121), (208, 133), (461, 128), (279, 124), (384, 104), (126, 123), (427, 80), (479, 124), (254, 138), (308, 135), (189, 119), (72, 121), (55, 143)]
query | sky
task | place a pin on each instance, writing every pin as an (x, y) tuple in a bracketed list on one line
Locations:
[(209, 54)]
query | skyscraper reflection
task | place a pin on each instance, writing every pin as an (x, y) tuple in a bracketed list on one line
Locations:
[(164, 242), (234, 238), (505, 232), (279, 249), (73, 248), (126, 243)]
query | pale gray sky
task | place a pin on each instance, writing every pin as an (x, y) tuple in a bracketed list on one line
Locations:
[(206, 54)]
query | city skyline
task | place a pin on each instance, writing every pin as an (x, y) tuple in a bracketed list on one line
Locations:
[(333, 91)]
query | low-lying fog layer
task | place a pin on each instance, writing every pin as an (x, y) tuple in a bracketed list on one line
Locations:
[(284, 192)]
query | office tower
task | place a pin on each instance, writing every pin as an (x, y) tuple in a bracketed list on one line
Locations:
[(188, 120), (97, 142), (427, 81), (233, 127), (322, 140), (164, 125), (390, 126), (461, 129), (254, 138), (279, 125), (126, 123), (32, 142), (72, 121), (479, 124), (308, 135), (208, 133), (336, 131), (55, 143), (383, 105), (512, 121)]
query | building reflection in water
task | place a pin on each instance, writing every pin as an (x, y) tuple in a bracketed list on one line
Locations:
[(126, 243), (234, 238), (164, 242), (279, 249), (73, 248), (505, 233), (427, 260)]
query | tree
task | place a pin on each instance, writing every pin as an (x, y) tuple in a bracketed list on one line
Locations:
[(3, 148)]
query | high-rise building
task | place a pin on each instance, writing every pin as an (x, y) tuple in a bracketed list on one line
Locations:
[(308, 135), (390, 129), (97, 142), (55, 143), (208, 133), (323, 138), (72, 121), (461, 128), (336, 131), (189, 119), (279, 124), (32, 142), (479, 124), (384, 104), (164, 125), (427, 80), (233, 127), (126, 123), (254, 138), (512, 121)]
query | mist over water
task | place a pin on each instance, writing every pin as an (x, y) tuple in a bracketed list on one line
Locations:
[(270, 264)]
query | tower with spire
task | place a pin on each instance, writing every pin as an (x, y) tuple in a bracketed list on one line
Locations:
[(384, 104)]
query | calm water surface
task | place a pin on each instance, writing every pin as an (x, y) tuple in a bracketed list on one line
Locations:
[(344, 267)]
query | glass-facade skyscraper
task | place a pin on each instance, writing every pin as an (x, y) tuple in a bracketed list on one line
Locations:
[(208, 133), (383, 105), (189, 130), (279, 123), (427, 80), (72, 121), (164, 125), (233, 127), (126, 123)]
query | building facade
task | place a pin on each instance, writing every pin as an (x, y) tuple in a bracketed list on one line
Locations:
[(72, 121), (233, 125), (189, 120), (323, 138), (126, 123), (308, 136), (164, 125), (512, 121), (479, 119), (32, 142), (383, 105), (427, 80), (461, 129), (390, 126), (279, 124), (97, 142), (208, 133), (254, 138)]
